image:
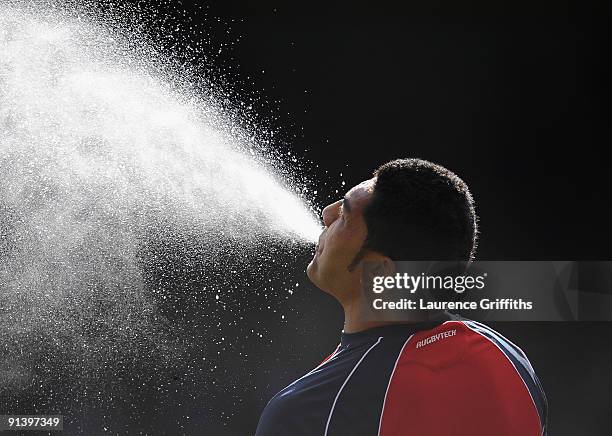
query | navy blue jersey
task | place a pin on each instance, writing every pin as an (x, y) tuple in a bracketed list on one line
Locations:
[(454, 377)]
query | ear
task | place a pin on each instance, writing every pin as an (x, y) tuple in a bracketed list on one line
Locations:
[(379, 266)]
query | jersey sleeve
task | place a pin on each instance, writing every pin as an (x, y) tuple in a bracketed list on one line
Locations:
[(454, 381)]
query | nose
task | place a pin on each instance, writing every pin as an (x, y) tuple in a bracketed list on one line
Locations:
[(331, 213)]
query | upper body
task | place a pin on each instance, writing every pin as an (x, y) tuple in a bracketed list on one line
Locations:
[(452, 378), (435, 374)]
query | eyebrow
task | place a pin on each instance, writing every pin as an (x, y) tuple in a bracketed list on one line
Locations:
[(346, 205)]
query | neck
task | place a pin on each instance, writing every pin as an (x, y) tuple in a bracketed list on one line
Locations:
[(354, 321)]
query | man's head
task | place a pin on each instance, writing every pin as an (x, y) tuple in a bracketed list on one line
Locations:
[(410, 210)]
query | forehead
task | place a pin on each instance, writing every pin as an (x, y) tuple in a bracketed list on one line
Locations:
[(360, 195)]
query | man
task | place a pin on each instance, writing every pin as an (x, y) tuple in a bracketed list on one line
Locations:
[(440, 375)]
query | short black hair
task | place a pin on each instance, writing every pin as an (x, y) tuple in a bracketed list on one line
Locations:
[(420, 211)]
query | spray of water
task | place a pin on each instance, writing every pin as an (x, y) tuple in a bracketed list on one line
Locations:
[(98, 152)]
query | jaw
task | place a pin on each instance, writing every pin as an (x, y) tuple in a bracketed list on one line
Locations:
[(313, 272), (310, 270), (343, 289)]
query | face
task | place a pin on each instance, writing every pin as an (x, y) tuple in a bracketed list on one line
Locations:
[(344, 234)]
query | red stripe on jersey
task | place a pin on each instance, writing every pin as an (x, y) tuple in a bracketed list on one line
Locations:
[(329, 357), (452, 381)]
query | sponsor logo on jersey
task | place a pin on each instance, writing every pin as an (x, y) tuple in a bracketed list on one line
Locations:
[(436, 337)]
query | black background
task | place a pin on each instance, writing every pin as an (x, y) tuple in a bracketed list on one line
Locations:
[(512, 97)]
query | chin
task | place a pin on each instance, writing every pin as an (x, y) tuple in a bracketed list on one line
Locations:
[(313, 273), (310, 270)]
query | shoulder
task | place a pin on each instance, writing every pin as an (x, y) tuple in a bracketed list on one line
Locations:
[(462, 373), (467, 353), (460, 343)]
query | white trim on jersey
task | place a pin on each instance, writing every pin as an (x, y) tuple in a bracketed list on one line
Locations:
[(331, 356), (331, 412), (494, 333)]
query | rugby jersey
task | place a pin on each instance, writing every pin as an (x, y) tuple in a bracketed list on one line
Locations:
[(450, 378)]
